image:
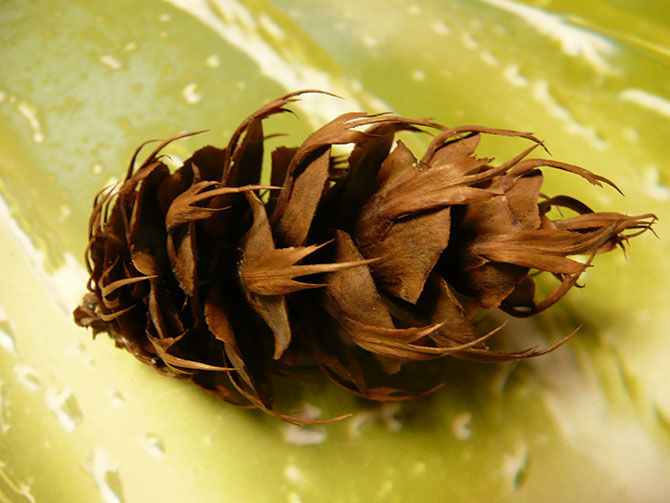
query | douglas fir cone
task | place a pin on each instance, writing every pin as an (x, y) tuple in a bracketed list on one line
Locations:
[(206, 274)]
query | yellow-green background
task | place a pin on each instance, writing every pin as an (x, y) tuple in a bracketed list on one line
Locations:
[(82, 83)]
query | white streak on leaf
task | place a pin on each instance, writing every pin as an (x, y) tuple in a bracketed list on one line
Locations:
[(27, 377), (460, 426), (514, 465), (29, 113), (66, 285), (469, 41), (64, 405), (294, 498), (652, 186), (293, 473), (115, 397), (418, 75), (154, 446), (19, 488), (7, 342), (489, 58), (4, 410), (192, 93), (302, 435), (575, 41), (440, 28), (511, 73), (213, 61), (105, 471), (271, 27), (542, 95), (110, 62), (646, 100)]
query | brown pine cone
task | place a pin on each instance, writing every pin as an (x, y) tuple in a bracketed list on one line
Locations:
[(206, 274)]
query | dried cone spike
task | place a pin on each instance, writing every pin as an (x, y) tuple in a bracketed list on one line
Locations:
[(206, 274)]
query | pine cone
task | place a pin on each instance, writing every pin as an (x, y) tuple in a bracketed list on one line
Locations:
[(205, 274)]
